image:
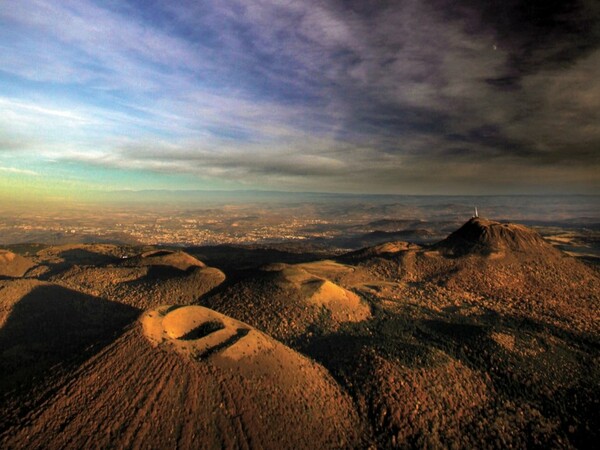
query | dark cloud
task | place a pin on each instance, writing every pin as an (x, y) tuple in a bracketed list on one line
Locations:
[(542, 33)]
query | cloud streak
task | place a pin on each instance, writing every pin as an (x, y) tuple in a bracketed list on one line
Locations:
[(17, 171)]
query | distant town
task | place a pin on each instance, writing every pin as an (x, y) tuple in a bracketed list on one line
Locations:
[(333, 225), (232, 225)]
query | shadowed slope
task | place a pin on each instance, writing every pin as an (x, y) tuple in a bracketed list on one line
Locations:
[(42, 323), (45, 331)]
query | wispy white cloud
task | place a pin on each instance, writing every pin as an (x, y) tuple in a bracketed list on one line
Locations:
[(24, 111), (107, 47), (18, 171)]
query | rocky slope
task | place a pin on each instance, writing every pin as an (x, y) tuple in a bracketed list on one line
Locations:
[(488, 339), (486, 237), (287, 301)]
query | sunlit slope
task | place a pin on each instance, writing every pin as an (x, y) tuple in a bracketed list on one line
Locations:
[(13, 265), (287, 300), (192, 378)]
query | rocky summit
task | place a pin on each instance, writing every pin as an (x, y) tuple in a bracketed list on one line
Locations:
[(486, 237)]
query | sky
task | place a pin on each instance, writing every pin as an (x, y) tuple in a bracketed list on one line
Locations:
[(358, 96)]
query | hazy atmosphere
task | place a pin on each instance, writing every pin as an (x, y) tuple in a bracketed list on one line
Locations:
[(407, 97), (300, 224)]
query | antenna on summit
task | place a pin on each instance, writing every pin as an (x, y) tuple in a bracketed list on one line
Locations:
[(476, 215)]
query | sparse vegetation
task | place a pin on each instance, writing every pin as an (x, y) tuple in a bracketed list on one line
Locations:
[(487, 340)]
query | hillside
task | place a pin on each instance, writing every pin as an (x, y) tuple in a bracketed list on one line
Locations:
[(486, 237), (13, 265), (486, 339), (287, 301), (144, 390), (144, 280)]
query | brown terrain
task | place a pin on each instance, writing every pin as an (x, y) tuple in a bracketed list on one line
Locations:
[(13, 265), (142, 281), (289, 300), (489, 338)]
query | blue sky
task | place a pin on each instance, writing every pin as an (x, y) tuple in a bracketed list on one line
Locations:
[(408, 97)]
